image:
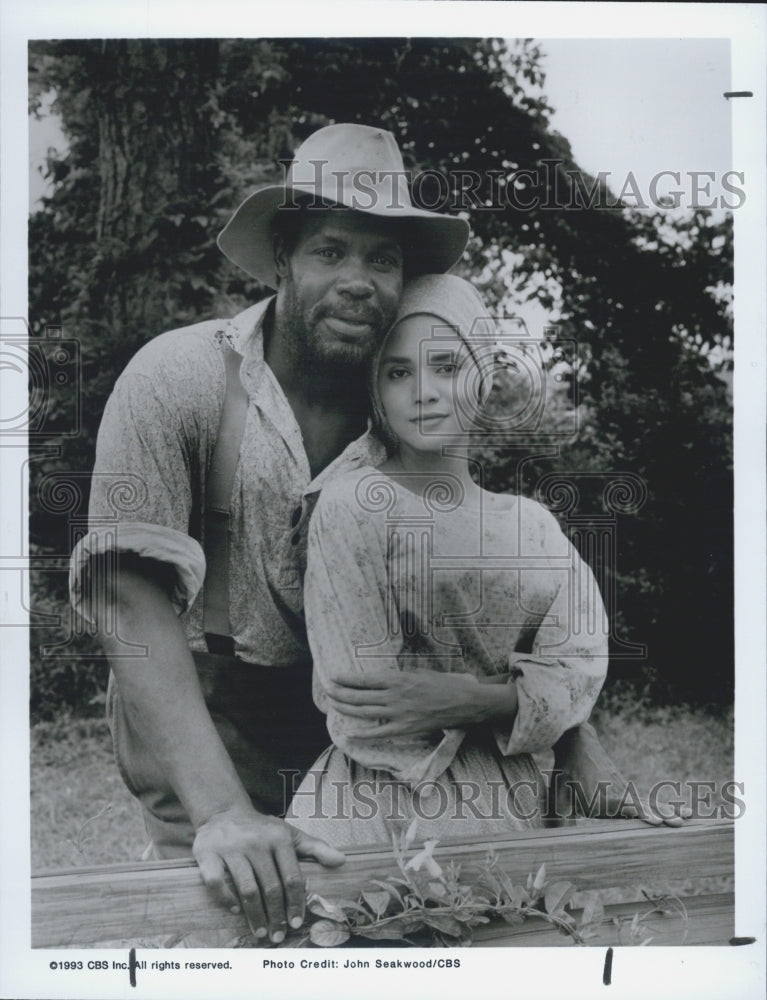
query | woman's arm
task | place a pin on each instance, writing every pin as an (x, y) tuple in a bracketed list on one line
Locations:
[(383, 716), (546, 691), (559, 681)]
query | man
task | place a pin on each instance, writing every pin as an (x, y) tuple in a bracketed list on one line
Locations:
[(192, 566)]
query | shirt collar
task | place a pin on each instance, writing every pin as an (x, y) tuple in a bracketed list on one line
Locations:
[(245, 332), (368, 449)]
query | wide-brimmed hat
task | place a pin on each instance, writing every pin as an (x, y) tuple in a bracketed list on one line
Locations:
[(356, 167)]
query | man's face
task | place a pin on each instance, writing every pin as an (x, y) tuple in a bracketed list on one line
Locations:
[(340, 287)]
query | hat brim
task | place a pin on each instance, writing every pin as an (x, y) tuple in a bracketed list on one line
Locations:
[(432, 243)]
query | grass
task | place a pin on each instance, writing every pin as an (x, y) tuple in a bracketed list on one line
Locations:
[(675, 743), (652, 743), (82, 814)]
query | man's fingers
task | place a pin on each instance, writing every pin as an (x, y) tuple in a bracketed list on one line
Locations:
[(214, 876), (272, 895), (248, 890), (387, 729), (648, 815), (260, 855), (292, 883), (356, 696), (617, 807), (363, 682), (655, 817), (674, 820), (358, 711), (677, 815), (317, 850), (668, 813)]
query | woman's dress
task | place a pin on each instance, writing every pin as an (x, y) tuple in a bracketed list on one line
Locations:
[(397, 581)]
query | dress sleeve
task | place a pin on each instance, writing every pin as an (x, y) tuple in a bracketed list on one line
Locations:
[(353, 625), (559, 681), (147, 455)]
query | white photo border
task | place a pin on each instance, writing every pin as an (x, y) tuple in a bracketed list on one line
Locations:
[(681, 972)]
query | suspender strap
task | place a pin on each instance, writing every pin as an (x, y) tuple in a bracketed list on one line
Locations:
[(218, 501)]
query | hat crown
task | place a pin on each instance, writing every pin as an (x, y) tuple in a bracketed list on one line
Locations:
[(348, 146), (358, 167), (354, 165)]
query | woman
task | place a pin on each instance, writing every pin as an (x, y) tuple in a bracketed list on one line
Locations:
[(472, 604)]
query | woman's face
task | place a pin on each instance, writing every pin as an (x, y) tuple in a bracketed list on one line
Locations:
[(428, 383)]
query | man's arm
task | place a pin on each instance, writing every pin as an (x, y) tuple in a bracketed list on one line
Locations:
[(547, 690), (585, 779), (162, 694), (422, 701)]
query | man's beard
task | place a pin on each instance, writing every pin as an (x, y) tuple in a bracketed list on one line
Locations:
[(311, 351)]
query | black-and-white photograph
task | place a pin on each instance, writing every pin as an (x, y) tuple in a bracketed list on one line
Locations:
[(377, 532)]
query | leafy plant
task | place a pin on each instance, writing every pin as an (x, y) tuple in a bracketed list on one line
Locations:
[(634, 930), (428, 903)]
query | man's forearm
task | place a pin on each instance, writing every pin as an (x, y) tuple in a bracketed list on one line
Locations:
[(162, 695), (420, 701), (500, 698)]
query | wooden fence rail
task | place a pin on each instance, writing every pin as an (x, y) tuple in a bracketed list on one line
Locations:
[(86, 906)]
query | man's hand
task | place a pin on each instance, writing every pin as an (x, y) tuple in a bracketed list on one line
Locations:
[(260, 853), (169, 713), (590, 778), (419, 701)]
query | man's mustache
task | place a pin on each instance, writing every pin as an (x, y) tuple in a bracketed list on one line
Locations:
[(368, 314)]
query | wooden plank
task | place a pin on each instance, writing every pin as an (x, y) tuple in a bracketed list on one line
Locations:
[(144, 900), (710, 921)]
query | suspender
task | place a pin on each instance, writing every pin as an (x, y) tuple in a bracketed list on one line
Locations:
[(218, 501)]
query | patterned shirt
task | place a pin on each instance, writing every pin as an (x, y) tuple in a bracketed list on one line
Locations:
[(153, 450), (400, 581)]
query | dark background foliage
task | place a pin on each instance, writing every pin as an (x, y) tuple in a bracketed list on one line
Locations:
[(165, 137)]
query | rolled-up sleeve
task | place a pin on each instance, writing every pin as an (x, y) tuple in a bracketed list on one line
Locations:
[(148, 541), (559, 681), (147, 454)]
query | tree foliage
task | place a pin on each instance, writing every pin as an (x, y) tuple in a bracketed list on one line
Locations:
[(165, 137)]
